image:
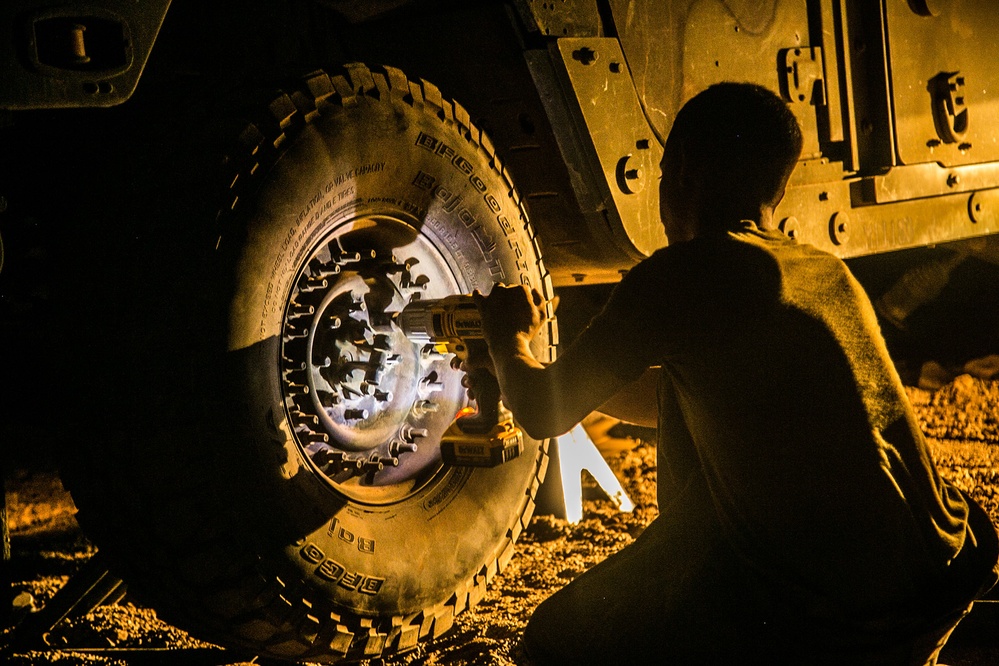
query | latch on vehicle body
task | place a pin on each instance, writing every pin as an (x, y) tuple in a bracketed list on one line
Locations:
[(950, 111), (801, 75)]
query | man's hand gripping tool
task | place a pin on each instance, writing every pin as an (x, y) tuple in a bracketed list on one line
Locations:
[(483, 438)]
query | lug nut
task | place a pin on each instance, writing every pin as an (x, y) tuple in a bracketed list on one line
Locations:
[(430, 352), (348, 257), (355, 414), (295, 331), (328, 399), (425, 407), (373, 464), (320, 269), (314, 437), (430, 383), (411, 434), (384, 461), (325, 457), (300, 310), (350, 464), (313, 283), (340, 255), (397, 447), (302, 418)]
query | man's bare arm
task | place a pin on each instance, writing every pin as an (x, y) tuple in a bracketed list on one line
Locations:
[(636, 402), (549, 400), (546, 400)]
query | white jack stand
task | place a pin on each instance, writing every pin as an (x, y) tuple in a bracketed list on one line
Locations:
[(570, 455)]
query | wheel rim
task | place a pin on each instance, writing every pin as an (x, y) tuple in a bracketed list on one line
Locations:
[(368, 406)]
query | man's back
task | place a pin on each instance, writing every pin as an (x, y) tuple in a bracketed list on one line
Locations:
[(784, 428), (799, 422)]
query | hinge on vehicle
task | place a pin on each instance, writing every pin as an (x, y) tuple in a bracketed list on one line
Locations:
[(801, 78)]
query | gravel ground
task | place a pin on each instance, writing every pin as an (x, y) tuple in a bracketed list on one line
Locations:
[(961, 417)]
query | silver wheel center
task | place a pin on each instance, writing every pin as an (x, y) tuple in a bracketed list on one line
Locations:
[(367, 405)]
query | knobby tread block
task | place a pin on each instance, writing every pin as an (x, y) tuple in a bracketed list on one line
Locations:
[(398, 83), (432, 96)]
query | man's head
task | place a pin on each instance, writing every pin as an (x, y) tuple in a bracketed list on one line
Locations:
[(728, 157)]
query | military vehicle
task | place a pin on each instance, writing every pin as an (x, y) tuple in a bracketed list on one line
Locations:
[(212, 210)]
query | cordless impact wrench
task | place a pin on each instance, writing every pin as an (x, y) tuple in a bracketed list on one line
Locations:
[(487, 437)]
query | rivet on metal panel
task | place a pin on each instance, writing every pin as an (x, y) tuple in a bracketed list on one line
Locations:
[(839, 227), (790, 227), (976, 207)]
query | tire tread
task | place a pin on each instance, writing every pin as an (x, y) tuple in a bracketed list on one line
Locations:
[(246, 600)]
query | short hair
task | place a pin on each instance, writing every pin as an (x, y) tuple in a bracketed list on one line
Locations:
[(742, 134)]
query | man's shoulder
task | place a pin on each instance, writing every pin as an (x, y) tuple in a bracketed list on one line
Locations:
[(719, 258), (790, 254)]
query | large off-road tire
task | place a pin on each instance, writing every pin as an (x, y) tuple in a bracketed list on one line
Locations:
[(268, 474)]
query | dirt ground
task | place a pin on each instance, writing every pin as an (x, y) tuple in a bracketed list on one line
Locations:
[(961, 418)]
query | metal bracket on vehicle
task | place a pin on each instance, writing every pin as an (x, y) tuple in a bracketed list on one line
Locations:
[(801, 80), (75, 55), (626, 147)]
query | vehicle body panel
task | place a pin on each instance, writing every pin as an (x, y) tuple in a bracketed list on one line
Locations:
[(897, 98)]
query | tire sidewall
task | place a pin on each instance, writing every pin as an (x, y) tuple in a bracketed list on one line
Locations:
[(377, 157)]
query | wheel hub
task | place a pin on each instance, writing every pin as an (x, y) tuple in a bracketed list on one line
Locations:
[(367, 405)]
